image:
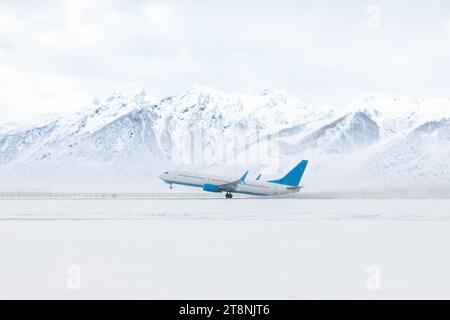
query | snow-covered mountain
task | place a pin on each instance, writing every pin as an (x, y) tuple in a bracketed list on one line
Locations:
[(422, 157), (120, 126), (348, 133), (212, 120), (378, 138)]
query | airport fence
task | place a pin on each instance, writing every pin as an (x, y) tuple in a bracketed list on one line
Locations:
[(108, 195)]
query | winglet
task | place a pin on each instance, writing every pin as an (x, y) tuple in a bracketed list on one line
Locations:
[(244, 176), (259, 176)]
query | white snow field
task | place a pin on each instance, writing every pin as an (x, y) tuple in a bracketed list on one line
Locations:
[(214, 248)]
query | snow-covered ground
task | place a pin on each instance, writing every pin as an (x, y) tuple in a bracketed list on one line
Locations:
[(214, 248)]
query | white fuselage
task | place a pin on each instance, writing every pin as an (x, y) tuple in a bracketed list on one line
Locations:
[(254, 187)]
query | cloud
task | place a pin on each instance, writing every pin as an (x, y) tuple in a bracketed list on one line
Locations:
[(83, 21), (25, 95), (161, 17), (58, 55)]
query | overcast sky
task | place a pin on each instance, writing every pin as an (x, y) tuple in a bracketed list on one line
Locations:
[(57, 56)]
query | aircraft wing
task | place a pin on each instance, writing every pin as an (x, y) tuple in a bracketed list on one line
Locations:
[(231, 186)]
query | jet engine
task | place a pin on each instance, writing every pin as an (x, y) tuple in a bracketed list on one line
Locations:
[(210, 187)]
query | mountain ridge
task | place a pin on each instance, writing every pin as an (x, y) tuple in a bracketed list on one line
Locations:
[(130, 132)]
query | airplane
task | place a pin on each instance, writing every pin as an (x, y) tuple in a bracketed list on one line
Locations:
[(290, 183)]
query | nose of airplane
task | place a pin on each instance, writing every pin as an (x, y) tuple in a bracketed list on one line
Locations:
[(163, 175)]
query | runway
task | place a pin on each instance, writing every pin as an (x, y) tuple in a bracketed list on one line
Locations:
[(240, 249), (263, 209)]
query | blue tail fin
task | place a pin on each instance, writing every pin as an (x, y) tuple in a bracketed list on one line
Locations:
[(294, 176), (259, 176)]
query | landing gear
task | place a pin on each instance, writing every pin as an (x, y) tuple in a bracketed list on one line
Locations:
[(228, 195), (170, 187)]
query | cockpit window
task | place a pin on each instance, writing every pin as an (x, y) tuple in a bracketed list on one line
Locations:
[(166, 172)]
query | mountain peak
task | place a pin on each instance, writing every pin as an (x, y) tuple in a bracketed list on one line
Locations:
[(274, 92), (41, 121), (376, 99), (128, 91), (200, 90), (8, 126)]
